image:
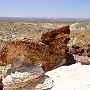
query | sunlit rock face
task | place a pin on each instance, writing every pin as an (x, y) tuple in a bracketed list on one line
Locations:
[(49, 52)]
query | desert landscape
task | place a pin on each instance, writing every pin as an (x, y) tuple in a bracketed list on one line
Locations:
[(78, 45), (15, 29)]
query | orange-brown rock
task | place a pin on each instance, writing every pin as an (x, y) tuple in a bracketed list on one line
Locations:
[(50, 51), (60, 33)]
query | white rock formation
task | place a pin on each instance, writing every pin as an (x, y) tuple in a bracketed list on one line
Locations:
[(27, 77)]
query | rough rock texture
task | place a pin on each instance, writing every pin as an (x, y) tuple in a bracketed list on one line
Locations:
[(80, 49), (50, 51), (26, 77), (85, 62), (81, 53)]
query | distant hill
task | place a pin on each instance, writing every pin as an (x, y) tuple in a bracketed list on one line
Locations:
[(35, 19)]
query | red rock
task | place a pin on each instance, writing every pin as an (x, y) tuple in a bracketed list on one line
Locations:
[(85, 62), (80, 50), (55, 34), (88, 50), (85, 53), (88, 54), (50, 51), (77, 46), (73, 51)]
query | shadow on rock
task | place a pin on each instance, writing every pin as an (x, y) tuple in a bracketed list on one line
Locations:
[(70, 59)]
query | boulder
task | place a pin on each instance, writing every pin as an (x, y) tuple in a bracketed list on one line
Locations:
[(49, 52), (28, 77), (85, 62)]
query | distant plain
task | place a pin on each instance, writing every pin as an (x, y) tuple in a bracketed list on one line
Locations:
[(19, 28)]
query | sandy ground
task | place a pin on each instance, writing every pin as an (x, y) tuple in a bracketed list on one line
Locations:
[(73, 77)]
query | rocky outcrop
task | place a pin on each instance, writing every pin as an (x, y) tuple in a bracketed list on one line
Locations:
[(48, 52)]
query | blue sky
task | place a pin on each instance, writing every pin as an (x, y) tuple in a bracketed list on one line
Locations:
[(45, 8)]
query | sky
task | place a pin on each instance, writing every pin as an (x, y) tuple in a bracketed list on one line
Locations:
[(45, 8)]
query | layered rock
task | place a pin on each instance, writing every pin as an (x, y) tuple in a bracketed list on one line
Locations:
[(26, 76), (49, 52), (41, 83)]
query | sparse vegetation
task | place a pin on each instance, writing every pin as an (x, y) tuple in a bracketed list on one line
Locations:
[(14, 29)]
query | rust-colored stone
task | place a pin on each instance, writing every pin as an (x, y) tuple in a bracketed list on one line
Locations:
[(85, 62), (56, 34), (50, 51), (77, 46), (80, 50)]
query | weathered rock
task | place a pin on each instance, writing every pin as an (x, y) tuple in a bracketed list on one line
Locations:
[(73, 51), (49, 52), (80, 48), (22, 75), (77, 46), (84, 53), (88, 51), (81, 52), (85, 62), (28, 77), (56, 34), (41, 83)]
